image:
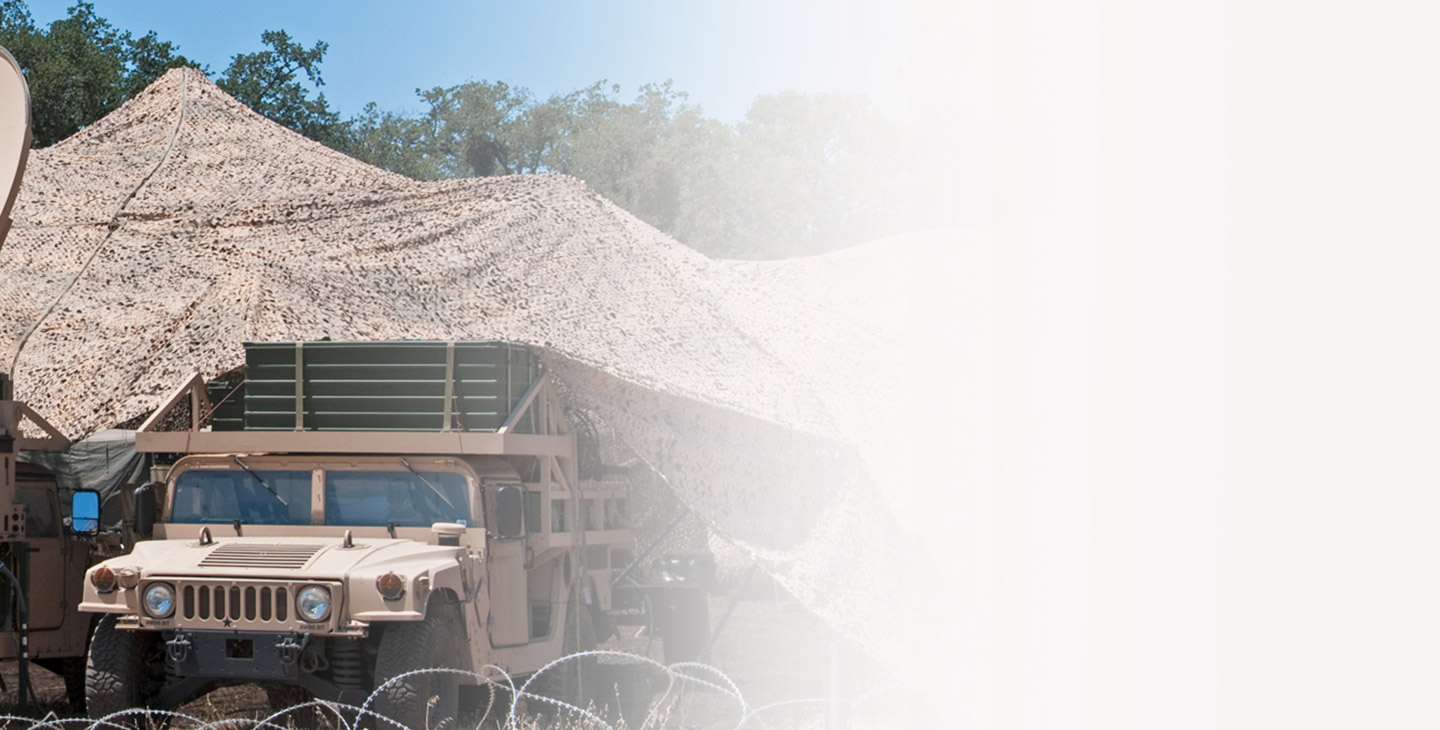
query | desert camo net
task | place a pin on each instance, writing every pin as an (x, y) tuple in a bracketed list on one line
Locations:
[(777, 399)]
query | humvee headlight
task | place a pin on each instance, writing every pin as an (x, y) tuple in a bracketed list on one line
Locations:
[(103, 579), (391, 586), (160, 600), (313, 603)]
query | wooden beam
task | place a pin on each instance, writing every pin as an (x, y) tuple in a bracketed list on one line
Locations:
[(158, 417), (524, 404), (454, 443), (53, 439)]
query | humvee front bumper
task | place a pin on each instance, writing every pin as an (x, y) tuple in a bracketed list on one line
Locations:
[(239, 655)]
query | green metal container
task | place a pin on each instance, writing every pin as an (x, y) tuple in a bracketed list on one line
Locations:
[(377, 386)]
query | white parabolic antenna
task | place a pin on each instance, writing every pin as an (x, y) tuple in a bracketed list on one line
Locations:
[(14, 134)]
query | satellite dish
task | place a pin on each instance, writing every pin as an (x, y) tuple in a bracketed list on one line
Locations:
[(14, 134)]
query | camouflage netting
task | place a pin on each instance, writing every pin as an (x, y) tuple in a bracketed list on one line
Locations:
[(778, 399)]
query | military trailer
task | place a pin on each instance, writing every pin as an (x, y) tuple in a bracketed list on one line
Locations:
[(352, 512)]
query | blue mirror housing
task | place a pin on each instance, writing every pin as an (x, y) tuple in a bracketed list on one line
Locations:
[(85, 512)]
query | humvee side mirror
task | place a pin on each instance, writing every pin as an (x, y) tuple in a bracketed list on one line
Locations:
[(85, 512), (510, 512), (145, 510)]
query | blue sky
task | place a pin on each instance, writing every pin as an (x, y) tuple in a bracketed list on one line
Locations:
[(722, 54)]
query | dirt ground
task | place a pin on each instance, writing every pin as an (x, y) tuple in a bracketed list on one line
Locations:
[(772, 649)]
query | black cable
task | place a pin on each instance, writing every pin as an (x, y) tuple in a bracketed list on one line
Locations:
[(25, 628)]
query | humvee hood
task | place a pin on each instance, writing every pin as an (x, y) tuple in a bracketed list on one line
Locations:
[(270, 556)]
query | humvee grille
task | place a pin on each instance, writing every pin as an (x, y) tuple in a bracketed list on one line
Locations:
[(230, 603), (260, 556)]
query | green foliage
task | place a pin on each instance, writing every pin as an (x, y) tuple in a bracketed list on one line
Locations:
[(645, 155), (817, 171), (394, 142), (803, 173), (266, 82), (79, 68), (149, 58), (473, 128)]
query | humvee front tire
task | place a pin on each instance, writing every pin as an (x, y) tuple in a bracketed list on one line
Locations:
[(114, 671), (405, 647)]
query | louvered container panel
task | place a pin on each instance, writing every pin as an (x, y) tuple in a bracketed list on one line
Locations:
[(384, 386), (227, 397)]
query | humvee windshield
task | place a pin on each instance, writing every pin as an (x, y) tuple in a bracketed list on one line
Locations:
[(362, 498), (214, 495), (354, 498)]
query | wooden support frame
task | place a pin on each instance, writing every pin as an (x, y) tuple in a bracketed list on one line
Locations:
[(526, 400), (553, 443), (199, 405), (14, 413)]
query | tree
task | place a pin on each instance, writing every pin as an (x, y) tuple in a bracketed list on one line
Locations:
[(815, 172), (148, 58), (266, 82), (801, 174), (476, 128), (17, 31), (395, 142), (651, 156), (643, 155), (75, 68), (80, 68)]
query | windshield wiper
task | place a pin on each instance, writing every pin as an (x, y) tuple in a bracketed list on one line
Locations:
[(267, 487), (427, 483)]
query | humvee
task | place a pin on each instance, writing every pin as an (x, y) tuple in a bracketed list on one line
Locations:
[(352, 512)]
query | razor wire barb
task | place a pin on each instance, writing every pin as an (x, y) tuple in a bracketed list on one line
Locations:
[(350, 717)]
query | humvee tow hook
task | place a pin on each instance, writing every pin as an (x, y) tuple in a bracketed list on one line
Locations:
[(290, 647), (178, 647)]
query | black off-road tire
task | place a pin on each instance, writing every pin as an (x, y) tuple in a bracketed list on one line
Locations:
[(574, 681), (115, 671), (433, 643)]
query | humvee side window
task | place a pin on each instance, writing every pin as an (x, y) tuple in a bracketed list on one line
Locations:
[(39, 513), (221, 496), (364, 498)]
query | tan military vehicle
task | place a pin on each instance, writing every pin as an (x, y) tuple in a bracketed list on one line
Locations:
[(353, 512), (44, 559), (38, 618)]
